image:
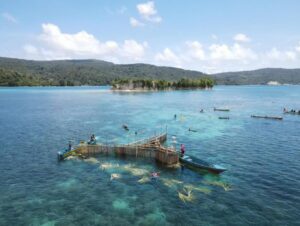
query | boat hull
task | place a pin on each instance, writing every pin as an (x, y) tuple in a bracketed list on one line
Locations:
[(201, 167), (219, 109), (267, 117)]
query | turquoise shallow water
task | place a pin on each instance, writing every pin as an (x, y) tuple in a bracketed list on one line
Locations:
[(262, 157)]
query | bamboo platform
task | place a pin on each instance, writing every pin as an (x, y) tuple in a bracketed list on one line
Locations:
[(147, 148)]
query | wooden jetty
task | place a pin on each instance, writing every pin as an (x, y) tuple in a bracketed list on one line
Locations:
[(151, 148), (221, 109), (267, 117)]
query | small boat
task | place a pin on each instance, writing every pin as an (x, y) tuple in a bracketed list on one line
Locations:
[(61, 155), (192, 130), (224, 118), (221, 109), (196, 163), (292, 112), (267, 117)]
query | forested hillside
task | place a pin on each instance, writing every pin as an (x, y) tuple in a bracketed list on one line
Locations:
[(18, 72)]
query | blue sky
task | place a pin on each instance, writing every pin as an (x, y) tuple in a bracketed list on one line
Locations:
[(210, 36)]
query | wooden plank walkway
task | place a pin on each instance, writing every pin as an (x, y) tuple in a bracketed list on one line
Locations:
[(149, 148)]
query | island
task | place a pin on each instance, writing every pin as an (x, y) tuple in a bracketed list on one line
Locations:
[(153, 85)]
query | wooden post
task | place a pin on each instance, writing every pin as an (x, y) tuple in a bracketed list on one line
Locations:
[(136, 147)]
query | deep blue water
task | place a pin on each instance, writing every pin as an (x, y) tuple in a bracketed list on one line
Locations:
[(262, 157)]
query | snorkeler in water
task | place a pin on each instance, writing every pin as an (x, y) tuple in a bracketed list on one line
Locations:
[(154, 175)]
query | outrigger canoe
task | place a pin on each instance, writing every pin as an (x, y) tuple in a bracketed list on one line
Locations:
[(224, 118), (221, 109), (196, 163), (267, 117)]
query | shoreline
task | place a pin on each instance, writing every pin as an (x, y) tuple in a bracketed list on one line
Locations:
[(91, 86), (157, 90)]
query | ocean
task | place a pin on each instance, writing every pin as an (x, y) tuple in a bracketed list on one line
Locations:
[(260, 187)]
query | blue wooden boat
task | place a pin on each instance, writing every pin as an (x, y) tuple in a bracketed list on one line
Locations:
[(61, 155), (196, 163)]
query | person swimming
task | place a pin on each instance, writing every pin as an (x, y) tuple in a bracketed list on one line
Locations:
[(154, 175), (125, 127)]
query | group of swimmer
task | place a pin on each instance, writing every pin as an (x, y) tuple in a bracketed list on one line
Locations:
[(125, 127)]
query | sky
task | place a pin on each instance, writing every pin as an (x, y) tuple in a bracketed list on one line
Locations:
[(204, 35)]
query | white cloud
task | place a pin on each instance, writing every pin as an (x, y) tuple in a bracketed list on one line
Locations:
[(291, 55), (146, 9), (135, 23), (195, 50), (54, 44), (10, 18), (79, 43), (133, 49), (148, 12), (30, 49), (274, 54), (298, 47), (235, 52), (277, 55), (168, 57), (219, 57), (243, 53), (220, 52), (241, 38)]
